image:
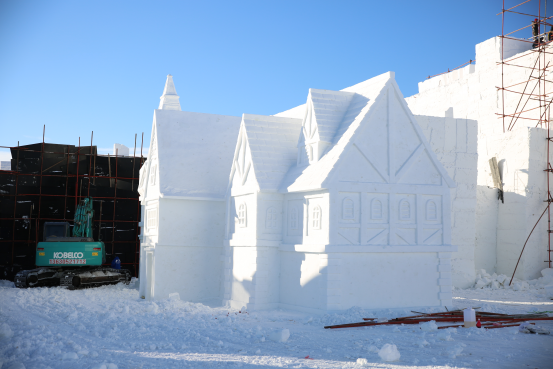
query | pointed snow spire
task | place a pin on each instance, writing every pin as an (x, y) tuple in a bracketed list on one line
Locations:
[(169, 100)]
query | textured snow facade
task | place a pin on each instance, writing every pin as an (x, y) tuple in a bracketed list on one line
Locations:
[(348, 206)]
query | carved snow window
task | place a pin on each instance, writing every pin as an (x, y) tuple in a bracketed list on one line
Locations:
[(316, 217), (431, 210), (271, 218), (153, 174), (151, 219), (404, 210), (347, 208), (310, 153), (294, 218), (242, 214), (376, 209)]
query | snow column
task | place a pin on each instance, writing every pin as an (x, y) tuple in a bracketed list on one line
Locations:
[(445, 281)]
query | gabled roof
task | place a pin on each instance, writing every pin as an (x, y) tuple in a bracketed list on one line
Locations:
[(371, 92), (195, 152), (324, 112), (272, 142)]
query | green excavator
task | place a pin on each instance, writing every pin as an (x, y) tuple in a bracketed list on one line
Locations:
[(73, 262)]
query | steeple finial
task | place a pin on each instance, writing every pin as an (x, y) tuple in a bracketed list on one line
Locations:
[(169, 100)]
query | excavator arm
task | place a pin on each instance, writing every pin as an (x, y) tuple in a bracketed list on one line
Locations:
[(84, 216)]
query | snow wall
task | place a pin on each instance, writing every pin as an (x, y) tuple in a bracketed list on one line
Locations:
[(501, 229)]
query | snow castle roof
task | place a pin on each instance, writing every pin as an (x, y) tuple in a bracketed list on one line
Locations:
[(195, 152), (272, 141), (340, 121)]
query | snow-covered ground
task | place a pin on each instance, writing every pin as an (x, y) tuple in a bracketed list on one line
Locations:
[(111, 327)]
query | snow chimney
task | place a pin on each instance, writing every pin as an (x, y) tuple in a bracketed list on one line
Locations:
[(169, 100)]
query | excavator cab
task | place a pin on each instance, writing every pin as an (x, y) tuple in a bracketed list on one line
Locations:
[(53, 230)]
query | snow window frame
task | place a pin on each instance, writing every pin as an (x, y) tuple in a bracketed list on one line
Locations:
[(316, 217), (348, 209), (242, 215), (376, 209), (271, 218), (294, 218), (153, 169), (404, 210), (431, 210)]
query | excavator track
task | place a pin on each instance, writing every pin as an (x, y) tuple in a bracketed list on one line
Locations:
[(79, 278), (71, 278), (40, 277)]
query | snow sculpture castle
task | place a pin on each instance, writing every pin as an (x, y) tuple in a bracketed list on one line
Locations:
[(354, 213), (346, 206)]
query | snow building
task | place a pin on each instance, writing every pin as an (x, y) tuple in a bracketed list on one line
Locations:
[(182, 194), (348, 206), (336, 203)]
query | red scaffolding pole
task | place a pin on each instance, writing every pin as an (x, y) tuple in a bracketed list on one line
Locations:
[(535, 91)]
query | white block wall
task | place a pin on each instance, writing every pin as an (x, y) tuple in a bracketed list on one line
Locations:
[(500, 229), (455, 141)]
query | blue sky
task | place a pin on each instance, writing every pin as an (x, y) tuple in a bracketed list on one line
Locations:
[(82, 66)]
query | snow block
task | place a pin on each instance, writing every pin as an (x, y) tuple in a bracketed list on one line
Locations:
[(280, 336)]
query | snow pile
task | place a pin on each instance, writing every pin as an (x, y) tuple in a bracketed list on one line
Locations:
[(422, 342), (389, 352), (362, 362), (280, 336), (373, 349), (495, 281), (445, 335), (454, 351), (5, 332), (429, 326)]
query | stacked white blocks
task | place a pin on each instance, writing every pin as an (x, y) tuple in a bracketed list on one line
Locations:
[(445, 282), (471, 95)]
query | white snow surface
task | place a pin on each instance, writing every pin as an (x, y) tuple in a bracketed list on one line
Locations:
[(111, 327), (495, 281)]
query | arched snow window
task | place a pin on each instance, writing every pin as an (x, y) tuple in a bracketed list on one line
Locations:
[(153, 174), (316, 217), (347, 208), (242, 214), (404, 210), (294, 218), (431, 210), (310, 153), (271, 218), (376, 209)]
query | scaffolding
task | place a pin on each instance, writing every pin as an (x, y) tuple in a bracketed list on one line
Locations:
[(529, 99), (47, 181)]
